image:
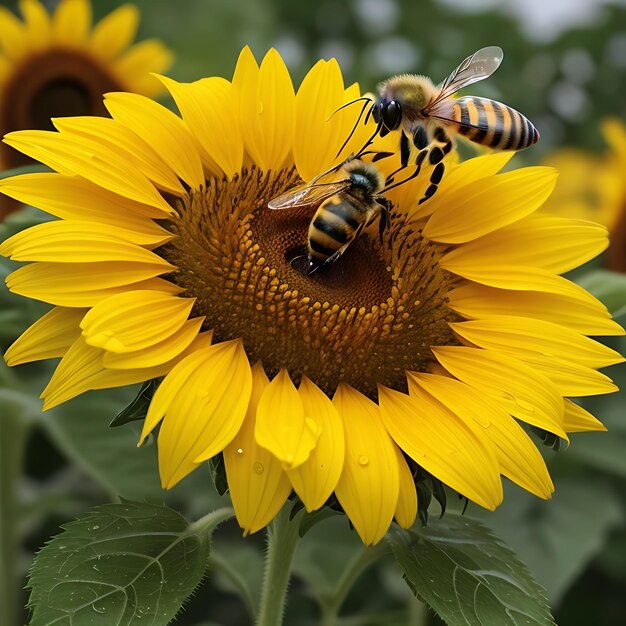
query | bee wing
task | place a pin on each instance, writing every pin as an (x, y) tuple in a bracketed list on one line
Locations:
[(475, 68), (308, 195)]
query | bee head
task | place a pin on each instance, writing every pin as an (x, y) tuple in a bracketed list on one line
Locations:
[(365, 176), (388, 114)]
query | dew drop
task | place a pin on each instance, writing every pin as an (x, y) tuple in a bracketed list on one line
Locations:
[(258, 468), (525, 405), (481, 419), (239, 450), (259, 108), (364, 461)]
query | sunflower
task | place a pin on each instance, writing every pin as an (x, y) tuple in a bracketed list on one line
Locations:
[(417, 353), (593, 187), (52, 65)]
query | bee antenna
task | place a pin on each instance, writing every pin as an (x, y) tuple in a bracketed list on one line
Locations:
[(361, 152), (345, 143), (347, 104)]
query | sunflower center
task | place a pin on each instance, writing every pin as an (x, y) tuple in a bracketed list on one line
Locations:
[(363, 320), (55, 83)]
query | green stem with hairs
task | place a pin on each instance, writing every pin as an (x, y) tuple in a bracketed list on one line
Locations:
[(282, 540), (361, 561)]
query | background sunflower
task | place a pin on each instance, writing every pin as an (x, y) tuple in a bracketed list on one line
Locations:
[(56, 63)]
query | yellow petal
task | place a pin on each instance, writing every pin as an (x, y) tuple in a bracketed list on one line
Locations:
[(37, 23), (104, 167), (119, 138), (406, 509), (72, 197), (516, 278), (520, 390), (369, 485), (206, 106), (161, 129), (115, 31), (578, 420), (485, 205), (49, 337), (81, 370), (442, 444), (517, 455), (570, 378), (555, 244), (257, 483), (527, 337), (157, 353), (204, 413), (316, 478), (318, 136), (135, 320), (583, 316), (13, 36), (138, 64), (71, 21), (483, 166), (76, 242), (86, 284), (281, 424), (266, 103)]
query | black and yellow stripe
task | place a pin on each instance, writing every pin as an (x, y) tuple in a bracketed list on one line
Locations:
[(493, 124), (335, 224)]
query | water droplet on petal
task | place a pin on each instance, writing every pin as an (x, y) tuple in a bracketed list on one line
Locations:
[(239, 450), (481, 419), (258, 468), (525, 405), (363, 460)]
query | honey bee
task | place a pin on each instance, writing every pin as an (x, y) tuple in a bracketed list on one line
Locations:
[(420, 107), (430, 116), (344, 208)]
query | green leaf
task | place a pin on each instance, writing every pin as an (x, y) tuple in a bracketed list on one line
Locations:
[(138, 408), (120, 565), (609, 287), (468, 576), (557, 539)]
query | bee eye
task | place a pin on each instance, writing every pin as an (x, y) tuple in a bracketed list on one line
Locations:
[(392, 114), (376, 112)]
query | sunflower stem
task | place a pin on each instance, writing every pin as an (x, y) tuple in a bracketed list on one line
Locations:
[(282, 540), (361, 561), (211, 520), (13, 436)]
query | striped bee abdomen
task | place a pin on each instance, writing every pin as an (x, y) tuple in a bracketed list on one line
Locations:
[(334, 225), (493, 124)]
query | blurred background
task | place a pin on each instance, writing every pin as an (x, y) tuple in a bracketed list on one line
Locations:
[(565, 69)]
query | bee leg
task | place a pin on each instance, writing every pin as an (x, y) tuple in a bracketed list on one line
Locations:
[(435, 179), (418, 168), (405, 150), (441, 136), (420, 138), (385, 216)]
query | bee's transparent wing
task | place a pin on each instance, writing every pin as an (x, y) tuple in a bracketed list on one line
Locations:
[(475, 68), (308, 195)]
